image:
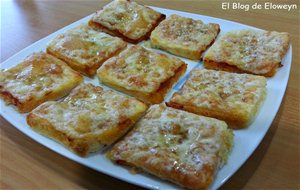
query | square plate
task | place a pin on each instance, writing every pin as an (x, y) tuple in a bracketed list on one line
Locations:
[(245, 140)]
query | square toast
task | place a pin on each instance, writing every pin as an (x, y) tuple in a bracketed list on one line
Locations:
[(38, 78), (175, 145), (231, 97), (88, 119), (85, 49), (183, 36), (144, 74), (248, 51), (126, 19)]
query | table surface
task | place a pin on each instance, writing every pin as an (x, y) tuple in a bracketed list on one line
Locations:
[(26, 164)]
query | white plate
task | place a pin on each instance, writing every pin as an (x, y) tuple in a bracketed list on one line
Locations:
[(245, 141)]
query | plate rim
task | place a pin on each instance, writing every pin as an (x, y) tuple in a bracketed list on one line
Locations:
[(80, 160)]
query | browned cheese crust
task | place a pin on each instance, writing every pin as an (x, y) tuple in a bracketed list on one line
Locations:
[(85, 49), (88, 119), (175, 145), (141, 73), (39, 78), (127, 19), (183, 36), (248, 51), (233, 98)]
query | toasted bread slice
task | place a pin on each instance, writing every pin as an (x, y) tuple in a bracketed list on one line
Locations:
[(144, 74), (39, 78), (248, 51), (183, 36), (85, 49), (175, 145), (88, 119), (126, 19), (233, 98)]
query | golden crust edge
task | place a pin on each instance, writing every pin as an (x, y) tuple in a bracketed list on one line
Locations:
[(222, 66)]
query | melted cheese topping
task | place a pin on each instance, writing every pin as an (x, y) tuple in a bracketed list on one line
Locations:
[(250, 50), (139, 69), (129, 18), (176, 141), (218, 90), (84, 45), (90, 110), (177, 31), (36, 76)]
